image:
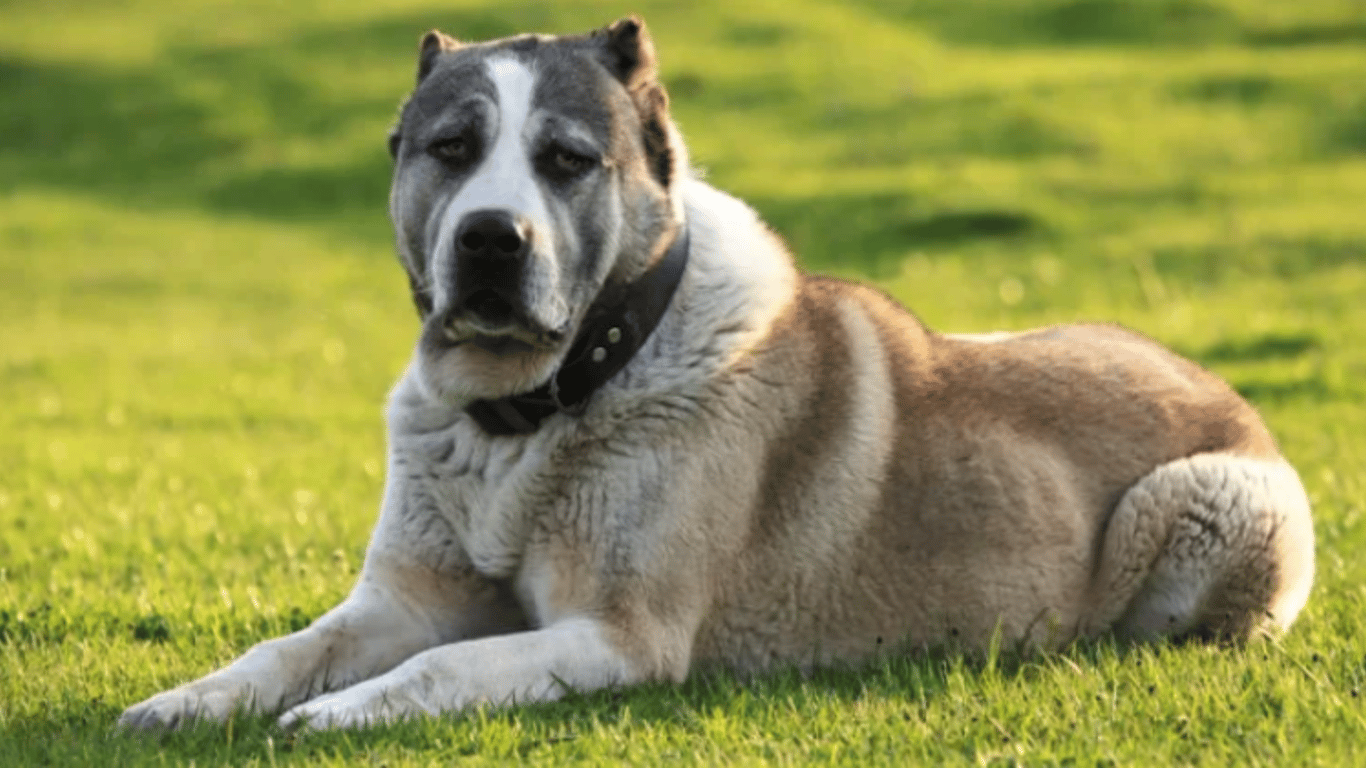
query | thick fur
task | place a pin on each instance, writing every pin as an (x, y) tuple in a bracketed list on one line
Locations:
[(792, 469)]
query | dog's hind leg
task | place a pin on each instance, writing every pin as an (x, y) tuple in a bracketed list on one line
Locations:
[(1213, 545)]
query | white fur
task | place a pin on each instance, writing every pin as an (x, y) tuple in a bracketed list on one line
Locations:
[(538, 665), (719, 287), (1197, 515)]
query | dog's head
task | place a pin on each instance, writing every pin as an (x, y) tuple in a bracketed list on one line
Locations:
[(531, 174)]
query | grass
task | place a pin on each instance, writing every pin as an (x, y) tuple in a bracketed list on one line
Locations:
[(200, 315)]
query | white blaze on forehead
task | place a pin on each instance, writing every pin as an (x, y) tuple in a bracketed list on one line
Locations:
[(514, 84), (505, 178)]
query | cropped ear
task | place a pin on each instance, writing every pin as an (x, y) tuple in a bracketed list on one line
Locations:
[(434, 43), (629, 54)]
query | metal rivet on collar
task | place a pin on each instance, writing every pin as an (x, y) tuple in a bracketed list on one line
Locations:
[(613, 335), (599, 354)]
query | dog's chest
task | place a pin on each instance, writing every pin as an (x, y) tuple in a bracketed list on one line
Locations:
[(470, 498)]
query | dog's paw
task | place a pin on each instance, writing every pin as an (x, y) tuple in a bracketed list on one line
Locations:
[(361, 705), (324, 714), (181, 706)]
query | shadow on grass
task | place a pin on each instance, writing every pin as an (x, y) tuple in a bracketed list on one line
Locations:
[(1284, 258), (1272, 346), (1344, 32), (1068, 22), (1337, 125), (133, 138), (1181, 22), (123, 135), (1009, 23), (1313, 390), (1269, 348), (973, 125), (1345, 133), (873, 233), (1248, 90), (77, 731), (192, 132), (43, 624), (187, 132)]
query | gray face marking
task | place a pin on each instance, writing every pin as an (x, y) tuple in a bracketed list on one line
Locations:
[(461, 101)]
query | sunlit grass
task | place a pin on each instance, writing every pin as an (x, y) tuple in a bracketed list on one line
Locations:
[(200, 316)]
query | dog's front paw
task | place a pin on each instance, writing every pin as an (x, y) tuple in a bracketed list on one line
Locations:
[(180, 706), (361, 705)]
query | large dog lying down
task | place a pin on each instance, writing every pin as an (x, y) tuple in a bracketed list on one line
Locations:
[(633, 440)]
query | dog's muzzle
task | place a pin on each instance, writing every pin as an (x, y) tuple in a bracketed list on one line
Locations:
[(488, 308), (491, 247)]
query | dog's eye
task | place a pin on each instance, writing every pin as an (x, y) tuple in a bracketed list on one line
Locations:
[(566, 164), (453, 151)]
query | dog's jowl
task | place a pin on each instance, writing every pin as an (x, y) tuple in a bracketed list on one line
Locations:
[(634, 441)]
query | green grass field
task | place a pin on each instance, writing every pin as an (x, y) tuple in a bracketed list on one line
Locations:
[(200, 316)]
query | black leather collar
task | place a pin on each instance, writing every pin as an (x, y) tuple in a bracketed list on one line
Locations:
[(612, 333)]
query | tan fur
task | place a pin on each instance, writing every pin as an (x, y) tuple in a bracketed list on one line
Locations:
[(1007, 458), (1004, 461)]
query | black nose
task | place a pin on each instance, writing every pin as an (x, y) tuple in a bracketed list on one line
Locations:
[(491, 234)]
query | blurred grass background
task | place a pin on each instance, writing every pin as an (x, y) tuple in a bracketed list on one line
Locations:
[(200, 315)]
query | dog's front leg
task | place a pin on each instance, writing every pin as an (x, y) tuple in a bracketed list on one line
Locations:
[(576, 653), (393, 612)]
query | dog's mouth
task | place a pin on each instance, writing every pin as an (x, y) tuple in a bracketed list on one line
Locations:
[(490, 308), (490, 322)]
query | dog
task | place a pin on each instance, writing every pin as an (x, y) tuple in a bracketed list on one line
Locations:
[(634, 441)]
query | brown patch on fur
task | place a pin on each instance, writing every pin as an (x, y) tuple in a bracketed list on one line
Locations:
[(813, 412), (659, 647), (1061, 421), (1083, 387), (481, 606), (629, 53), (1010, 452)]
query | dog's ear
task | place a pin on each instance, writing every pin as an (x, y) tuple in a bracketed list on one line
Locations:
[(629, 54), (434, 43)]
